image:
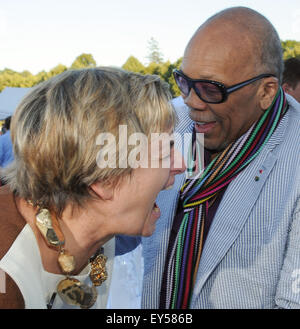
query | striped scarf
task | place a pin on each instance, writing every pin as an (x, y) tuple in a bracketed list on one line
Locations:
[(197, 195)]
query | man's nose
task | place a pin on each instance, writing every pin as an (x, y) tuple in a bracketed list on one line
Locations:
[(193, 101)]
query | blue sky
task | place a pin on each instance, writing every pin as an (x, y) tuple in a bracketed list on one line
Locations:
[(39, 34)]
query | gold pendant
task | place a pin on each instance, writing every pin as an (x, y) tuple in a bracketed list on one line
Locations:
[(73, 292), (66, 262)]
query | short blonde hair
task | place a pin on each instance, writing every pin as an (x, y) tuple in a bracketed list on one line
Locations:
[(55, 127)]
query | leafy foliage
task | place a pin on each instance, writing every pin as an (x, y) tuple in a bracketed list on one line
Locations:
[(133, 65), (82, 61), (11, 78), (291, 48)]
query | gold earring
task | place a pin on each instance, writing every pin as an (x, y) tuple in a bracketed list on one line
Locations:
[(71, 290), (49, 229)]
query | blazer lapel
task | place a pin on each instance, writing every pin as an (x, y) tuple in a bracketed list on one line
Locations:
[(235, 208)]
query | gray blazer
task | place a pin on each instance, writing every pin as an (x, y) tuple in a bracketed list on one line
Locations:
[(251, 257)]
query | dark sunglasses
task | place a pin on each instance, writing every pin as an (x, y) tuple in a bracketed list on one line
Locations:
[(210, 91)]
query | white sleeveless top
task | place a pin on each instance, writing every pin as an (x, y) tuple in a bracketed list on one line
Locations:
[(23, 264)]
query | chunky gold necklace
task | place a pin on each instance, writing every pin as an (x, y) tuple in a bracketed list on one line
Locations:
[(71, 290)]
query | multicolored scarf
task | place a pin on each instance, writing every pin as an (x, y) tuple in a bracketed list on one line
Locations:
[(196, 196)]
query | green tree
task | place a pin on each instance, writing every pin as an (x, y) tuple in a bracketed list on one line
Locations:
[(57, 70), (291, 48), (154, 53), (41, 76), (168, 77), (133, 65), (11, 78), (164, 70), (154, 68), (83, 61)]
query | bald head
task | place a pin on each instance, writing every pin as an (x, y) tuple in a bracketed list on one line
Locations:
[(250, 34), (229, 49)]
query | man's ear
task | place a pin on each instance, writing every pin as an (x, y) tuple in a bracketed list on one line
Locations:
[(267, 92), (103, 191), (286, 87)]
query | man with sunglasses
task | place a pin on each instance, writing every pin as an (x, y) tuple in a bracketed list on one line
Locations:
[(229, 235)]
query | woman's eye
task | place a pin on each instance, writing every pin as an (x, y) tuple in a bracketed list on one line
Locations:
[(167, 153)]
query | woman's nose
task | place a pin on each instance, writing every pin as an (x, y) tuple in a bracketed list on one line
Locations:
[(178, 165)]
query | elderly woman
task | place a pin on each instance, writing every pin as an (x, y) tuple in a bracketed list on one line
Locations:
[(70, 189)]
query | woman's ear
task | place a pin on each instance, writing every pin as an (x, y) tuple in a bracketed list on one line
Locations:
[(103, 191), (267, 92)]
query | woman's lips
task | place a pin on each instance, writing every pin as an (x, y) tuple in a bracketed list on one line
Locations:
[(204, 127)]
